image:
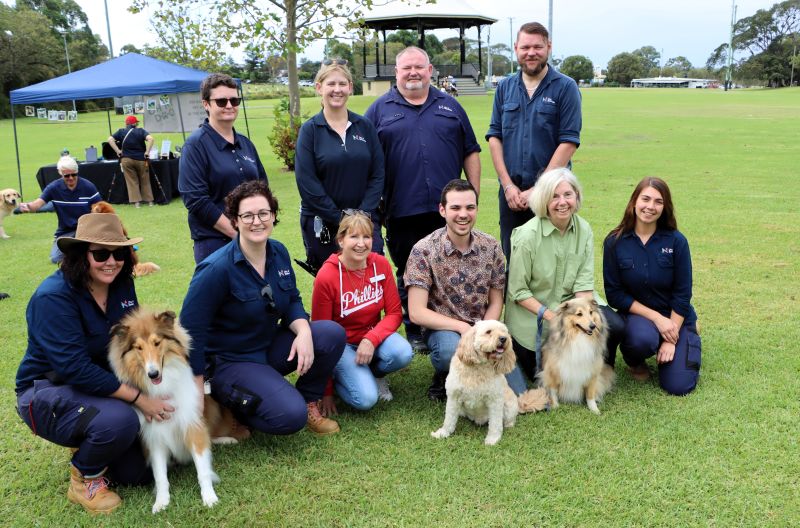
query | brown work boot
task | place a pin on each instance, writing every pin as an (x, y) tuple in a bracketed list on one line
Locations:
[(319, 424), (92, 493)]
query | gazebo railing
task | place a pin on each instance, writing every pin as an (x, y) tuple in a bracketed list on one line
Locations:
[(387, 70)]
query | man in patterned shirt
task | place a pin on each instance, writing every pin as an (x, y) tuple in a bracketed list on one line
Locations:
[(455, 276)]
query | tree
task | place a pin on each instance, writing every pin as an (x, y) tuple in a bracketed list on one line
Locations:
[(578, 67), (129, 48), (287, 26), (405, 37), (29, 52), (650, 58), (677, 66), (624, 67)]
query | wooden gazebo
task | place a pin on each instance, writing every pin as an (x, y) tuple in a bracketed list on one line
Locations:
[(444, 14)]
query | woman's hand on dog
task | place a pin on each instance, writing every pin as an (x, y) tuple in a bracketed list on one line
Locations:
[(154, 408), (365, 352), (668, 329), (666, 352)]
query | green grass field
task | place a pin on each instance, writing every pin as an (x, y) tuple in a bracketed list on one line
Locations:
[(727, 455)]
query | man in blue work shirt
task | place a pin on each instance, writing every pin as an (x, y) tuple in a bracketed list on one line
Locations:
[(427, 141), (535, 126), (214, 160)]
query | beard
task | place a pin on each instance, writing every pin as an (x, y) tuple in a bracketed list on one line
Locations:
[(414, 85), (533, 71)]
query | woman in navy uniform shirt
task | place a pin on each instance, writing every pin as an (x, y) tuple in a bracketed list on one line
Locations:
[(647, 270), (338, 166)]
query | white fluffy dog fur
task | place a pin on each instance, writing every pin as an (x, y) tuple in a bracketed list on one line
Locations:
[(7, 206), (150, 352), (574, 369), (476, 385)]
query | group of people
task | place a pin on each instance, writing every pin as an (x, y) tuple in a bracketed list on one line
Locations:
[(397, 167)]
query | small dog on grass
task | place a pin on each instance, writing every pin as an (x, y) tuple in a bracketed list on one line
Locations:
[(476, 385), (9, 203), (573, 368)]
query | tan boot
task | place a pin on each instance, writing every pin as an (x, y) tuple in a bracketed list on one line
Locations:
[(91, 493), (319, 424)]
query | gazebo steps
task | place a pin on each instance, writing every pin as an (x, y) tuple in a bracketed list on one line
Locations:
[(468, 86)]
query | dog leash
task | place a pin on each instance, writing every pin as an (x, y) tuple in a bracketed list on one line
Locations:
[(539, 327)]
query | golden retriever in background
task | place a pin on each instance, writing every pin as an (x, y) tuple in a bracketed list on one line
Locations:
[(140, 269), (151, 352), (7, 206), (573, 368), (476, 385)]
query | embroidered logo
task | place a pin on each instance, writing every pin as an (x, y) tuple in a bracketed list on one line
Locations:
[(546, 99), (284, 273), (445, 107), (127, 304), (356, 137), (666, 250), (248, 158)]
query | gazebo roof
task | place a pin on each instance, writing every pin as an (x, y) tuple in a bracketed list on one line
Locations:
[(442, 14)]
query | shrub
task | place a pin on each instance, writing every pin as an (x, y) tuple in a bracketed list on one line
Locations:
[(283, 137)]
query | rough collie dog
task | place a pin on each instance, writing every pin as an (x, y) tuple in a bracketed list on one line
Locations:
[(140, 269), (10, 201), (573, 366), (476, 385), (151, 352)]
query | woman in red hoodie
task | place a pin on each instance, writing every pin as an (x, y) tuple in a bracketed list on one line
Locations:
[(353, 288)]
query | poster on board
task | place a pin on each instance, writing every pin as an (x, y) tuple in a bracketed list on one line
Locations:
[(30, 111), (167, 113)]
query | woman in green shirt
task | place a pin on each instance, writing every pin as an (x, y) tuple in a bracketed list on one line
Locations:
[(552, 261)]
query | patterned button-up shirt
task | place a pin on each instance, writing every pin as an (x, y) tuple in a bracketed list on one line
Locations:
[(458, 283)]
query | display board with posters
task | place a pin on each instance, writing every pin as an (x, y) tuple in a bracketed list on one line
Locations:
[(161, 113)]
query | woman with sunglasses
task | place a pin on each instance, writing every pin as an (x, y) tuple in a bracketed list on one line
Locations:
[(246, 318), (71, 197), (214, 160), (353, 288), (66, 392), (338, 166)]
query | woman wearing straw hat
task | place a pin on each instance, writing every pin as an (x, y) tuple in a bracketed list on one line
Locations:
[(66, 392)]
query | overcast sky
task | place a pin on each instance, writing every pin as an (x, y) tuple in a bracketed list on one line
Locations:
[(598, 29)]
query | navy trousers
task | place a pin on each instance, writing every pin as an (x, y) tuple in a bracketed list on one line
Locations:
[(105, 430), (260, 396), (642, 340), (206, 246), (318, 252), (508, 221)]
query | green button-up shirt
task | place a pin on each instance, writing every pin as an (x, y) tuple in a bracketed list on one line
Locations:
[(549, 267)]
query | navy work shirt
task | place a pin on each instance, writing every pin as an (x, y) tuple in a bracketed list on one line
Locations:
[(657, 274), (334, 174), (531, 128), (70, 205), (224, 311), (209, 169), (423, 148), (68, 335), (132, 144)]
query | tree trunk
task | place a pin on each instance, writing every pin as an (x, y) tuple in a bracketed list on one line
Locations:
[(291, 59)]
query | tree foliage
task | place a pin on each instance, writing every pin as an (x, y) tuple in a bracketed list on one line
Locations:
[(650, 59), (578, 67), (678, 66), (624, 67)]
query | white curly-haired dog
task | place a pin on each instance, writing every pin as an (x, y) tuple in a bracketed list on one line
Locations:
[(476, 385), (10, 201)]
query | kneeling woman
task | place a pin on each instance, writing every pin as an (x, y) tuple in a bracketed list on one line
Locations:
[(245, 316), (353, 288), (66, 392), (647, 270), (552, 261)]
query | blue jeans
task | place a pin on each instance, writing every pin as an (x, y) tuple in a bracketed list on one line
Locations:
[(56, 256), (443, 344), (355, 384)]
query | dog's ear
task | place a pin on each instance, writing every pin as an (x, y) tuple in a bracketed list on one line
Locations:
[(118, 330), (466, 348), (167, 318)]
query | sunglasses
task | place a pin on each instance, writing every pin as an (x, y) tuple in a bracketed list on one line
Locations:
[(70, 175), (340, 62), (266, 293), (354, 212), (102, 255), (222, 102)]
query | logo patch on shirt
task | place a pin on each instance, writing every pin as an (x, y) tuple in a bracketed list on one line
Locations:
[(248, 158), (284, 273), (445, 107), (546, 99), (356, 137), (127, 304), (666, 250)]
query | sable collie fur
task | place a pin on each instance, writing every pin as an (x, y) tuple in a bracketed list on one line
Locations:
[(573, 366), (476, 385), (10, 201), (140, 269), (151, 352)]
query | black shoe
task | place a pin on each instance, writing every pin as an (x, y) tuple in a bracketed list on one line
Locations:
[(437, 392), (4, 296)]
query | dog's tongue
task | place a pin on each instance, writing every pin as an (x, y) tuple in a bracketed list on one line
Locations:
[(156, 381)]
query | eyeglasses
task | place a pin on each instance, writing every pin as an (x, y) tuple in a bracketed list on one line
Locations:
[(102, 255), (340, 62), (222, 102), (249, 218), (266, 293), (70, 175), (355, 212)]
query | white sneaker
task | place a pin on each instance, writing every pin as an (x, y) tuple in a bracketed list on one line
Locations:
[(383, 389)]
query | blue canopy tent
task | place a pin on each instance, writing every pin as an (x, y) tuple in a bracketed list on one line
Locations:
[(129, 74)]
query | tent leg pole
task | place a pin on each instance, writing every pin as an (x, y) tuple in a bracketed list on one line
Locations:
[(244, 107), (16, 148), (180, 115), (108, 115)]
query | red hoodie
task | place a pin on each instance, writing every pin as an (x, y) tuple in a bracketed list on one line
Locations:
[(360, 297)]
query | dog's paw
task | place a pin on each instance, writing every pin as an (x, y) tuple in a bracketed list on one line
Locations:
[(224, 440), (6, 236), (491, 439), (160, 504), (592, 405), (209, 498), (441, 433)]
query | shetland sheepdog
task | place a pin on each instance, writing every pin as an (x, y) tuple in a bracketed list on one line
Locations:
[(573, 366), (151, 352), (140, 269)]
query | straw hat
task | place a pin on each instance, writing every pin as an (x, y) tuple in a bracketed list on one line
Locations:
[(98, 228)]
